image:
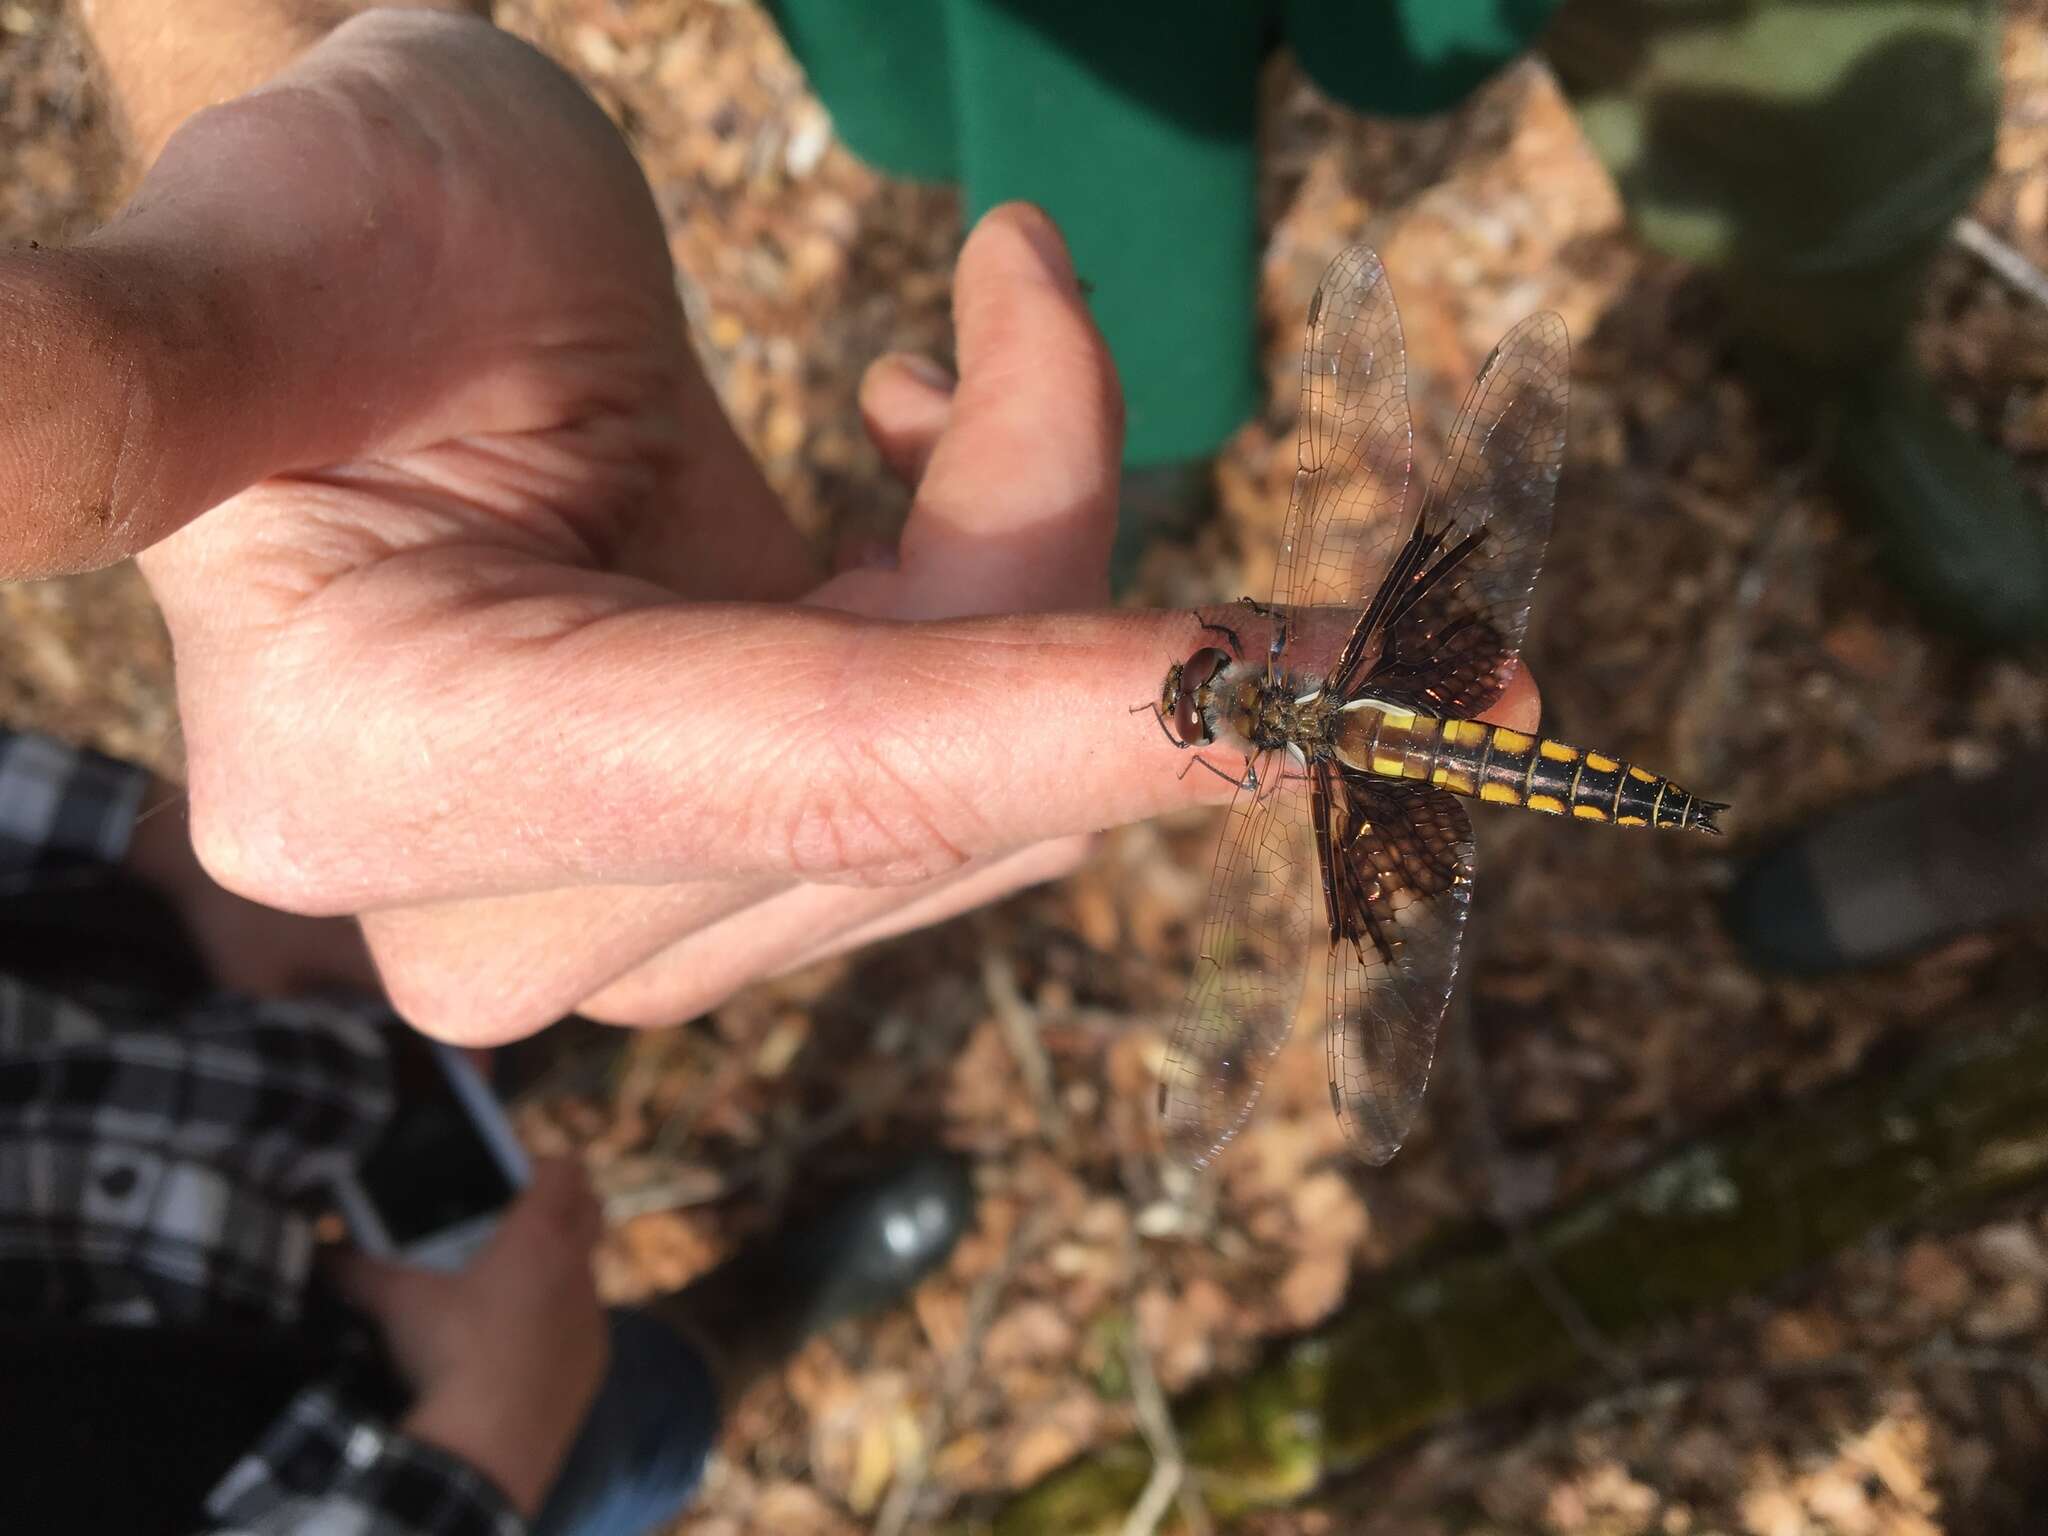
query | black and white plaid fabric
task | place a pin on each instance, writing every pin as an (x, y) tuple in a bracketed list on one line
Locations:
[(156, 1172), (60, 805), (323, 1467)]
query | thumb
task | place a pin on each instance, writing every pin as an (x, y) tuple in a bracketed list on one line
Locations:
[(1017, 506)]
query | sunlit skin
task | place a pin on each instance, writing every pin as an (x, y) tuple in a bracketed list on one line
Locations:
[(504, 644)]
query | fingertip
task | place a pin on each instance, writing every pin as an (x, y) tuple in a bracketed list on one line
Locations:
[(359, 1277), (558, 1200), (1018, 508), (1520, 705), (82, 402), (1013, 230), (556, 1178), (911, 374)]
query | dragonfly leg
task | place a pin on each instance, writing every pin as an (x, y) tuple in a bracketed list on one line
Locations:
[(1282, 630), (1249, 781), (1236, 645), (1159, 715)]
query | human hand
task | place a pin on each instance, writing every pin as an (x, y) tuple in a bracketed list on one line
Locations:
[(504, 1357), (405, 321), (490, 632)]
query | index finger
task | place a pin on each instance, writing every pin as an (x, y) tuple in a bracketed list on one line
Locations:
[(672, 743)]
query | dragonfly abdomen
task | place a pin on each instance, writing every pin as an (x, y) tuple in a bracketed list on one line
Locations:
[(1507, 767)]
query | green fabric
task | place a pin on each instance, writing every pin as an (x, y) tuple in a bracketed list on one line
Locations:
[(1413, 58), (1145, 155), (884, 71), (1133, 124)]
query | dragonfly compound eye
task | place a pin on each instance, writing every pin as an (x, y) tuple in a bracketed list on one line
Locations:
[(1190, 719)]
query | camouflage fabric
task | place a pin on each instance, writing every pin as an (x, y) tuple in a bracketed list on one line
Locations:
[(1815, 152)]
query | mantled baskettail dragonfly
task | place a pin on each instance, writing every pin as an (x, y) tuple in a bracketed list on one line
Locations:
[(1393, 627)]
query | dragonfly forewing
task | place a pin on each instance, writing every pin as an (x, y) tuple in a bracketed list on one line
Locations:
[(1356, 447), (1397, 626), (1452, 647)]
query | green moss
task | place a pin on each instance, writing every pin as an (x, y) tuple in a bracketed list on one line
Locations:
[(1464, 1326)]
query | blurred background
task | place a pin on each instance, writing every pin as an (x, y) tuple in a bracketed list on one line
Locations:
[(1846, 1335)]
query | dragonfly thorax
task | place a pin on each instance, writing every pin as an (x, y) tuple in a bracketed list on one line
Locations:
[(1214, 697), (1271, 714)]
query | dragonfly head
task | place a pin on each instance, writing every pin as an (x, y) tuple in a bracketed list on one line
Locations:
[(1186, 701)]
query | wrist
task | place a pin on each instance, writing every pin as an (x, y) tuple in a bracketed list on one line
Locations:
[(514, 1449), (165, 62)]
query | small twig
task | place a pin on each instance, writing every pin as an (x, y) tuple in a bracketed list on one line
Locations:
[(1169, 1479), (175, 798), (1020, 1030), (694, 1186), (2003, 258)]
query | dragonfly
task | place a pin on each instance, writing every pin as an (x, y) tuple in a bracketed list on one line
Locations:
[(1395, 622)]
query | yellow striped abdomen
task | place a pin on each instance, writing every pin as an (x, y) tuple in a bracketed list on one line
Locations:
[(1504, 767)]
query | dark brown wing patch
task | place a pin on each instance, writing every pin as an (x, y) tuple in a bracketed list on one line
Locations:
[(1398, 882), (1453, 611)]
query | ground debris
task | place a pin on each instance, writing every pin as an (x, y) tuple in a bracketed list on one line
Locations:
[(1706, 610)]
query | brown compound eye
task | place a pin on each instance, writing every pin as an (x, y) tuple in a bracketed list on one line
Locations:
[(1196, 674)]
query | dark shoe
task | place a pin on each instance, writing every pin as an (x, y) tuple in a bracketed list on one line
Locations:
[(1883, 878), (1954, 526), (861, 1253)]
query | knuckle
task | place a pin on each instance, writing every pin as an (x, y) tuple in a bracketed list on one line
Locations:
[(875, 826), (434, 1002), (451, 992), (238, 843)]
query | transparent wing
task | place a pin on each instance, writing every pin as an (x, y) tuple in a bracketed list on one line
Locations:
[(1256, 943), (1400, 885), (1454, 624), (1356, 447)]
